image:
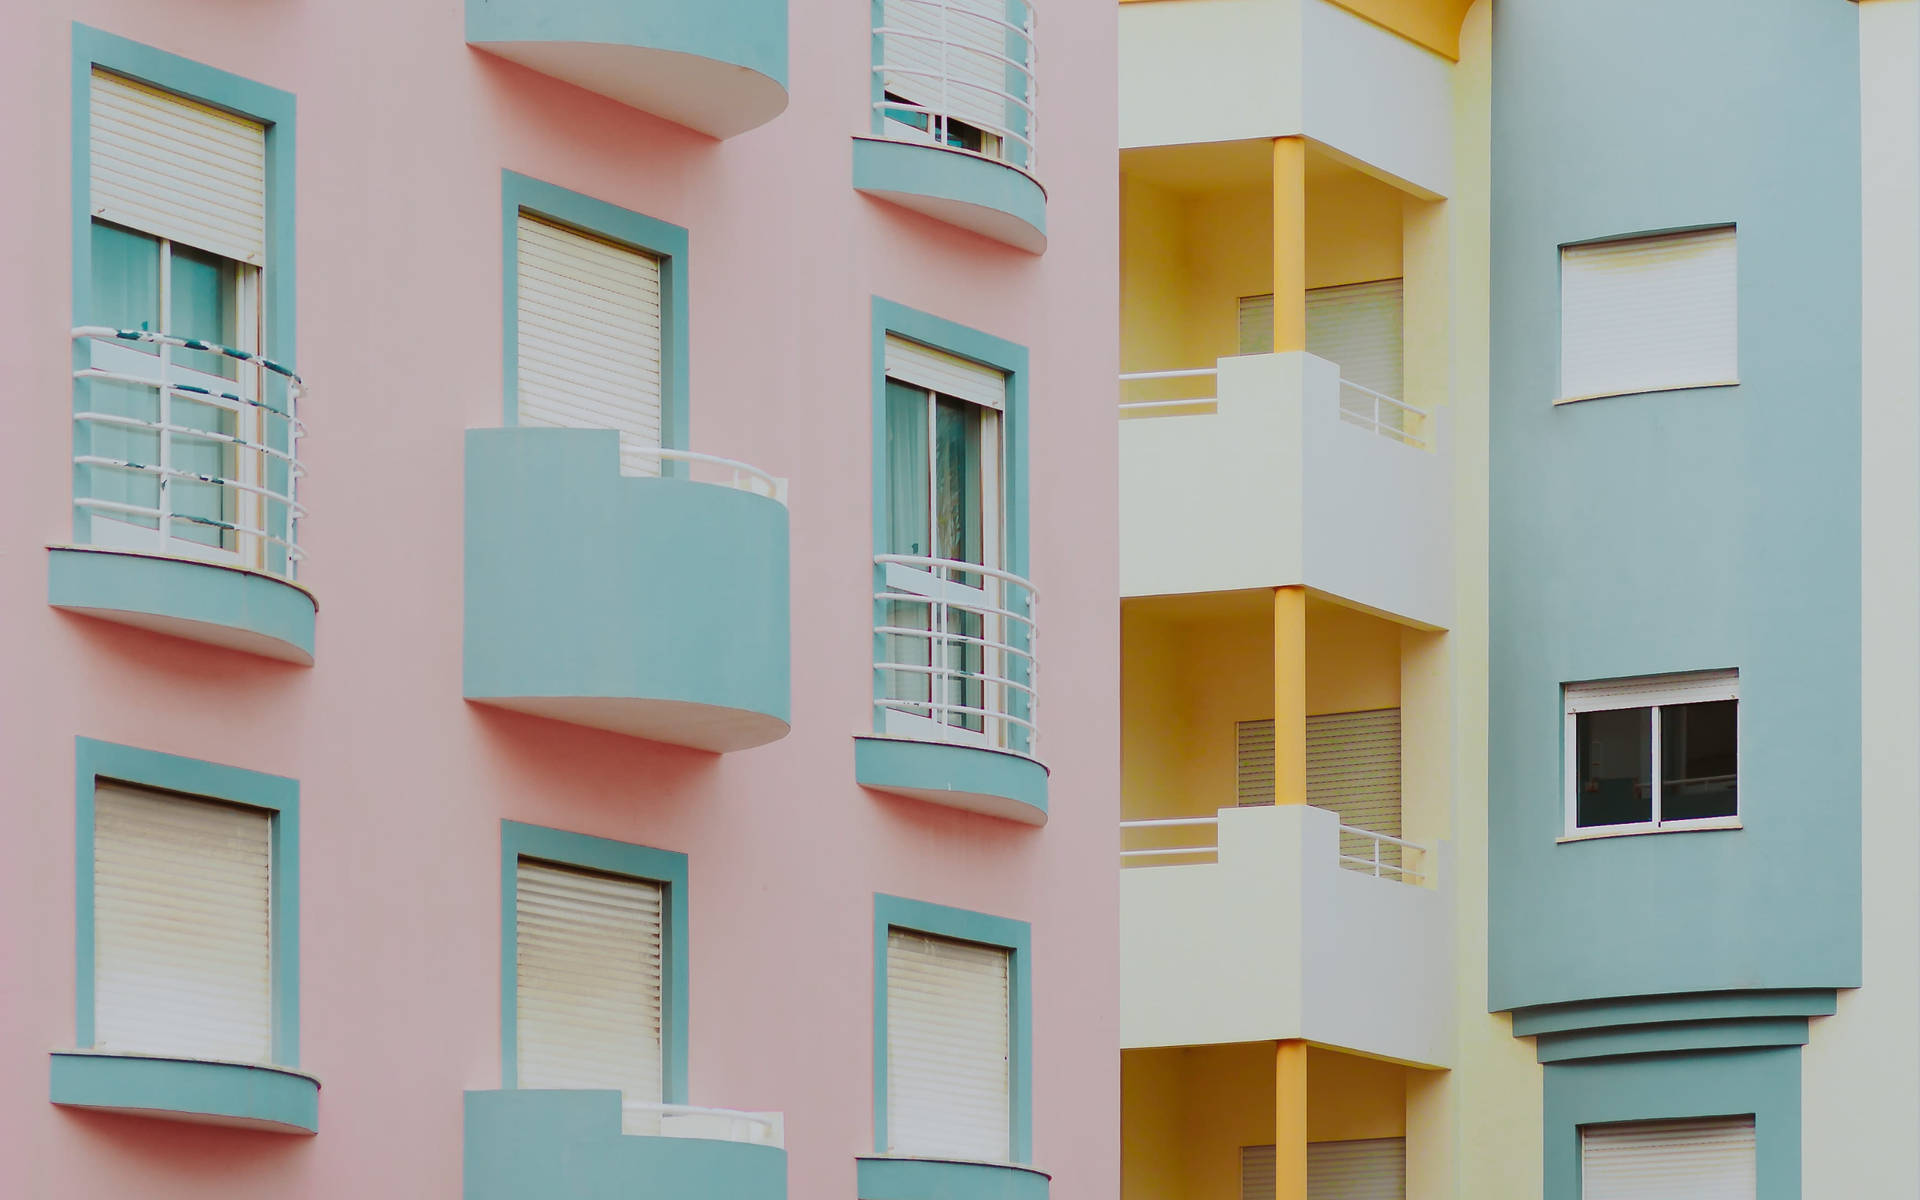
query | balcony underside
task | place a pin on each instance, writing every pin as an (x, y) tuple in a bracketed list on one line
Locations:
[(199, 601), (969, 191), (198, 1091), (997, 783)]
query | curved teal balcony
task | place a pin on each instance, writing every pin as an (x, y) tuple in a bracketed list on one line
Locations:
[(199, 1091), (962, 188), (654, 606), (580, 1145), (718, 67)]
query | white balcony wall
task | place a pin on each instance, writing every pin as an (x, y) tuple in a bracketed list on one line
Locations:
[(1273, 489), (1276, 940), (1230, 70)]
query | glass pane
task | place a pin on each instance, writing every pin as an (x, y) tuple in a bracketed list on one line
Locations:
[(907, 519), (125, 294), (1614, 770), (126, 280), (957, 490), (1699, 756), (205, 290)]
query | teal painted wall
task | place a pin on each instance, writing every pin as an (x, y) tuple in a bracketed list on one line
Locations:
[(659, 588), (1680, 530), (746, 33)]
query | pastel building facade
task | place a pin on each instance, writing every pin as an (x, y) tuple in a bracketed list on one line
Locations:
[(526, 611), (1518, 567)]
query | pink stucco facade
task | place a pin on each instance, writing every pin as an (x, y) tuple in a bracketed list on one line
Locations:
[(403, 132)]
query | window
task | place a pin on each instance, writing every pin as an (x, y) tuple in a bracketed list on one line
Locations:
[(1649, 314), (1652, 1160), (1653, 753), (594, 967), (1368, 1169), (188, 908), (958, 75), (183, 450), (953, 1015)]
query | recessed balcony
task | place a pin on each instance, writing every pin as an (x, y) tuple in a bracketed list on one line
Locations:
[(588, 1144), (1337, 935), (1287, 475), (186, 463), (649, 605), (955, 716), (954, 119), (718, 67)]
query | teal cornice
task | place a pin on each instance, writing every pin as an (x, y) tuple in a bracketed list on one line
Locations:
[(243, 1095), (1633, 1025)]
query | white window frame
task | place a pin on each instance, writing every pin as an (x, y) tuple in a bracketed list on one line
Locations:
[(1650, 692)]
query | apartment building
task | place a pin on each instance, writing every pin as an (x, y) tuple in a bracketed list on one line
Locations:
[(522, 585), (1518, 561)]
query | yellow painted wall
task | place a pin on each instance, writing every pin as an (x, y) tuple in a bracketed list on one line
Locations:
[(1186, 1112)]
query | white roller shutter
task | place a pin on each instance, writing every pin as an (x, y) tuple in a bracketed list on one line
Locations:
[(590, 335), (948, 374), (1256, 324), (1253, 762), (1360, 327), (177, 169), (1696, 687), (181, 926), (1353, 767), (973, 37), (588, 981), (948, 1026), (1371, 1169), (1643, 314), (1660, 1160)]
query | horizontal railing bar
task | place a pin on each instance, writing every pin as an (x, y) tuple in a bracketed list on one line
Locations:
[(1169, 852), (1195, 403), (95, 460), (143, 335), (138, 510), (953, 673), (1000, 131), (194, 392), (775, 483), (1169, 822), (1188, 373), (1382, 396), (978, 609), (206, 435), (967, 568), (900, 705), (950, 636), (1382, 837)]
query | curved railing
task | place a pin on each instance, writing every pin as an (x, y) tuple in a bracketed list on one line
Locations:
[(728, 472), (954, 652), (244, 427), (952, 70), (649, 1119)]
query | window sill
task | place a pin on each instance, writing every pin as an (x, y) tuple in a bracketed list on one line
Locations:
[(1650, 391), (202, 1091), (886, 1177), (1709, 825)]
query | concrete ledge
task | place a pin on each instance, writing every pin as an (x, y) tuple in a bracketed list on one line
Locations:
[(994, 782), (961, 188), (202, 1091), (185, 598)]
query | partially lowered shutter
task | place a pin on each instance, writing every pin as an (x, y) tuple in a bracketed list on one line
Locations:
[(1643, 314), (1370, 1169), (1256, 1173), (948, 1027), (1360, 327), (590, 336), (965, 42), (176, 168), (948, 374), (1253, 762), (1658, 1160), (1256, 324), (588, 980), (1353, 767), (182, 956)]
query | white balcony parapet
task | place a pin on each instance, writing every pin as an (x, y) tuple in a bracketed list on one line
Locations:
[(1374, 411), (1377, 857), (952, 63), (647, 1119), (248, 423), (954, 653)]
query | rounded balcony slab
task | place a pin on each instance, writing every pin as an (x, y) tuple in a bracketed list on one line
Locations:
[(997, 783), (202, 1091), (967, 190), (186, 598)]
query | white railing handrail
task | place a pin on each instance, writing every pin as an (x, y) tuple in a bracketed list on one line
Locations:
[(977, 686), (773, 486), (255, 454), (1374, 863), (1377, 840), (768, 1121), (1016, 61), (1170, 823), (1402, 405), (1184, 373)]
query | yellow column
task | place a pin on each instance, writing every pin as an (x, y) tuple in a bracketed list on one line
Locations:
[(1289, 244), (1290, 695), (1290, 1121)]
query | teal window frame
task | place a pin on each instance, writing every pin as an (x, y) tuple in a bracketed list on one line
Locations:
[(899, 912), (1658, 1087), (270, 106), (194, 779), (667, 242), (664, 867)]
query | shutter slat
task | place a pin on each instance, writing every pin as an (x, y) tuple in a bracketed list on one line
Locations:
[(1366, 1169), (177, 169), (1256, 324), (1649, 313), (588, 952), (591, 329), (1655, 1160), (1359, 327), (182, 926), (948, 1039), (948, 374)]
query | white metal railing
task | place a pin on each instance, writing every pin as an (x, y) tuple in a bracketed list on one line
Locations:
[(1149, 855), (649, 1119), (1187, 402), (1380, 849), (727, 471), (1381, 413), (970, 67), (954, 652), (248, 425)]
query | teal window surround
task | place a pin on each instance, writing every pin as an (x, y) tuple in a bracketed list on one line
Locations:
[(263, 1095), (521, 193), (269, 106), (664, 867), (898, 912), (1655, 1087)]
